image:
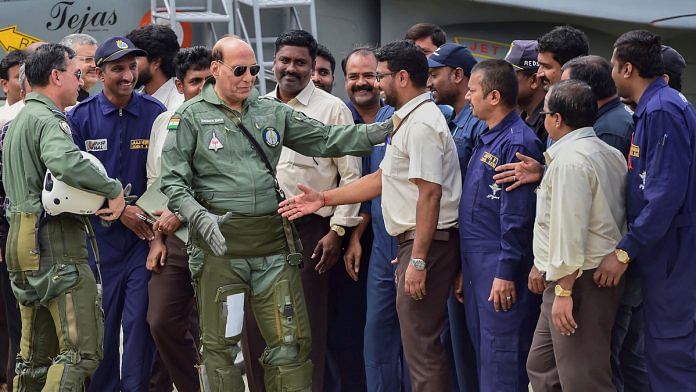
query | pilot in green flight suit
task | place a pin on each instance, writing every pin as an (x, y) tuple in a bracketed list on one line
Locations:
[(47, 255), (217, 180)]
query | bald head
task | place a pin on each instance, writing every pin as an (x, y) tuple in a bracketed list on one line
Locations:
[(231, 45), (232, 60)]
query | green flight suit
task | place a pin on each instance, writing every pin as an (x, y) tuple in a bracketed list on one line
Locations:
[(207, 158), (62, 320)]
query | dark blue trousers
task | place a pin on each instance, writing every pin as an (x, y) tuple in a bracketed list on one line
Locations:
[(502, 339), (125, 282), (385, 366), (629, 372), (459, 348)]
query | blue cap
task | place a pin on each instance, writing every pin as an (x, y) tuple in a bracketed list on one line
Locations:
[(453, 55), (114, 48), (523, 54)]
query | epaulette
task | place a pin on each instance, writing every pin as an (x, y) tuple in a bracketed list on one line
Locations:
[(58, 113)]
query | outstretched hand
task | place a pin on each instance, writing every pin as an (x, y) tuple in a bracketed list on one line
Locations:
[(526, 171), (296, 207)]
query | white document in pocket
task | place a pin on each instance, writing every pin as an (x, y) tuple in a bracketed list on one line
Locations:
[(235, 315)]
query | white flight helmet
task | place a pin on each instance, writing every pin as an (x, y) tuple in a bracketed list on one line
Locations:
[(58, 197)]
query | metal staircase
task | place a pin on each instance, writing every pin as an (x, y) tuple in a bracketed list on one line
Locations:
[(232, 12)]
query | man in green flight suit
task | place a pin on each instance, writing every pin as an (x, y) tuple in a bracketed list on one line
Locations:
[(218, 171), (47, 255)]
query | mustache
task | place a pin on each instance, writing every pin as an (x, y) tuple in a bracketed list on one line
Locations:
[(293, 74), (366, 87)]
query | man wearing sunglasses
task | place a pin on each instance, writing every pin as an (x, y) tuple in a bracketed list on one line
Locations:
[(115, 127), (47, 255), (218, 167)]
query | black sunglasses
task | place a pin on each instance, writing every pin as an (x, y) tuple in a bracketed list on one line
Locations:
[(239, 70), (547, 113)]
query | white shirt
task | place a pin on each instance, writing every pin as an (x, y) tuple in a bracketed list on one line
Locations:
[(320, 173), (9, 112), (581, 209), (423, 148), (169, 95), (154, 152)]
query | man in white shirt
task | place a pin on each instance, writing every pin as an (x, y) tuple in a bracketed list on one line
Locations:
[(581, 215), (171, 312), (156, 70), (9, 80), (321, 233), (420, 182)]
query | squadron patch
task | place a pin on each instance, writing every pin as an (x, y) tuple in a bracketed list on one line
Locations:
[(271, 137), (173, 123), (635, 151), (65, 128), (215, 143), (490, 159)]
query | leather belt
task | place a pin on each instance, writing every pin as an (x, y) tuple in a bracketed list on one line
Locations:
[(439, 235)]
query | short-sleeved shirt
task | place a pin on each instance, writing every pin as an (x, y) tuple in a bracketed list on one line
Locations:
[(421, 148)]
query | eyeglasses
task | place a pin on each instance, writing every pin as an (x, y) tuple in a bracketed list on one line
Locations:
[(239, 70), (86, 59), (78, 73), (380, 76), (547, 113)]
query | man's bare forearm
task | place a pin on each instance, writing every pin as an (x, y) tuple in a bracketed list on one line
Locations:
[(427, 215), (364, 189)]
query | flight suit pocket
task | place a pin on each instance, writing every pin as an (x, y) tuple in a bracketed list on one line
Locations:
[(22, 245), (230, 301), (62, 278), (286, 322), (505, 360)]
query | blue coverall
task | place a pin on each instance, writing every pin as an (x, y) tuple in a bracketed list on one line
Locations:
[(661, 208), (466, 131), (119, 138), (496, 241)]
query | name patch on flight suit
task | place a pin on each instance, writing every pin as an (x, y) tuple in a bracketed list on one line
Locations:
[(96, 145), (212, 121), (139, 144), (490, 159)]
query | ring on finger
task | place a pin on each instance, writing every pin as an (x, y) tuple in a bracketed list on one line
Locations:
[(508, 298)]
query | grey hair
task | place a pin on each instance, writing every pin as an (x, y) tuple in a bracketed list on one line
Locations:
[(22, 76), (73, 40)]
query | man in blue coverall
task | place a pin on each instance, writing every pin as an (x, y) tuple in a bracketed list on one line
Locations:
[(450, 69), (661, 202), (496, 234), (115, 127)]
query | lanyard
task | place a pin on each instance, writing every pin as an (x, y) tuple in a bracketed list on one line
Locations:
[(390, 137)]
